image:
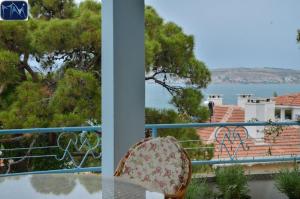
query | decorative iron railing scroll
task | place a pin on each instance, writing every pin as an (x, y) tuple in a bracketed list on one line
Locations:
[(232, 143), (72, 149), (231, 140), (78, 149), (79, 144)]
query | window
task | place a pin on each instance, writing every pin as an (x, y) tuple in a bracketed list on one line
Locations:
[(277, 114), (288, 114)]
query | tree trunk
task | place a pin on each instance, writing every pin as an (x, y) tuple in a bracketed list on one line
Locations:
[(2, 87), (24, 66)]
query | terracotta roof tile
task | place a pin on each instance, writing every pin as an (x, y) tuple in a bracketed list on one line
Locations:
[(221, 114), (288, 100), (287, 143)]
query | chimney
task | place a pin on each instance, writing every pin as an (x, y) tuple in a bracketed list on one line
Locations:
[(259, 109), (242, 99), (216, 99)]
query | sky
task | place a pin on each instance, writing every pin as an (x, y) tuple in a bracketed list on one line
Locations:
[(238, 33)]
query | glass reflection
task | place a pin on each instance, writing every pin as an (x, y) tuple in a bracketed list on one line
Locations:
[(3, 179), (75, 186), (92, 183), (55, 184)]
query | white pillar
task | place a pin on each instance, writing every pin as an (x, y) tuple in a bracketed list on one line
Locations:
[(123, 79), (282, 114)]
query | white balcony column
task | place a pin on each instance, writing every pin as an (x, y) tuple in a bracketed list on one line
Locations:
[(123, 79), (282, 114)]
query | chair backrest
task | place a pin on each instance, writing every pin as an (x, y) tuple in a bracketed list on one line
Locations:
[(159, 164)]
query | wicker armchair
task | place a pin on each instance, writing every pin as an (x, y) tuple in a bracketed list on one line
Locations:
[(158, 164)]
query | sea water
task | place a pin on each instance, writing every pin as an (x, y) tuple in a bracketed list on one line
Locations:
[(159, 97)]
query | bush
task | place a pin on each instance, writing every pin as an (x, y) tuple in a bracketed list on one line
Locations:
[(199, 190), (232, 183), (288, 182)]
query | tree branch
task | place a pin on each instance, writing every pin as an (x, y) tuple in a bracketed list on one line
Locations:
[(25, 65), (155, 74), (171, 89), (157, 70), (15, 139), (31, 72), (2, 87), (22, 159)]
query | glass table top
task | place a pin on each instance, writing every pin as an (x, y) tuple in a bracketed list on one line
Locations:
[(71, 186)]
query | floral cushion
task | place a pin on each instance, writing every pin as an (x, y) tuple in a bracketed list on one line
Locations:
[(158, 164)]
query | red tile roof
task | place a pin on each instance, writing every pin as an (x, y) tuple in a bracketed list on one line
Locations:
[(287, 143), (221, 114), (288, 100)]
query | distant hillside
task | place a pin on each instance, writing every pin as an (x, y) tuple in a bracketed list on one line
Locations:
[(255, 75)]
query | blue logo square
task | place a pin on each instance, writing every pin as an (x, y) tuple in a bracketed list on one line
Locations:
[(14, 10)]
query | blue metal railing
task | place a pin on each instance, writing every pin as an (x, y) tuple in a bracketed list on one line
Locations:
[(230, 133), (50, 130), (76, 139), (203, 125), (70, 142)]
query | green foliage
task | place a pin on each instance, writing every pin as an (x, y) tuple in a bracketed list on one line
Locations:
[(9, 77), (168, 116), (63, 36), (64, 40), (232, 182), (187, 100), (90, 5), (76, 99), (29, 109), (74, 41), (170, 51), (169, 56), (288, 182), (14, 36), (8, 68), (47, 9), (199, 189), (65, 33)]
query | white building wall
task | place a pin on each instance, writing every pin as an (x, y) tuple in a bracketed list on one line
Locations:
[(217, 99), (250, 112), (269, 111), (296, 113), (242, 99), (261, 111)]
